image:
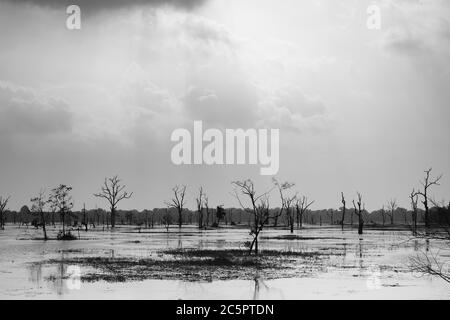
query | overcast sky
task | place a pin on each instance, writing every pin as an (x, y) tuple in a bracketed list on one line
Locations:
[(357, 109)]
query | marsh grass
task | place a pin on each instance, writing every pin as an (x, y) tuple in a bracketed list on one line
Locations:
[(196, 265)]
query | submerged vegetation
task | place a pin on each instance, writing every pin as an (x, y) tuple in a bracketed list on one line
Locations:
[(198, 265)]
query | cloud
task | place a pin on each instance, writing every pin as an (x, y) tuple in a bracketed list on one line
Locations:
[(289, 108), (417, 27), (94, 6), (296, 102), (24, 112), (404, 42), (222, 98), (207, 31)]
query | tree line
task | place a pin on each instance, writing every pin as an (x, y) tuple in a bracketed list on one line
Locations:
[(254, 209)]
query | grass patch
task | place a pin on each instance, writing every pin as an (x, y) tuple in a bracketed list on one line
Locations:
[(296, 237), (66, 236), (197, 265)]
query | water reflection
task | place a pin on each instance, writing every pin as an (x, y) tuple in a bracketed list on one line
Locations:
[(258, 283), (60, 278), (35, 274)]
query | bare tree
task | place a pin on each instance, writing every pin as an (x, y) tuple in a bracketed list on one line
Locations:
[(178, 201), (289, 211), (61, 199), (200, 202), (428, 262), (343, 210), (359, 213), (392, 206), (426, 184), (259, 208), (113, 192), (3, 204), (301, 206), (282, 187), (38, 206)]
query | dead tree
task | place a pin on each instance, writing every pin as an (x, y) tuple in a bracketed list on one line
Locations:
[(3, 204), (38, 207), (301, 206), (200, 202), (392, 205), (414, 197), (429, 262), (426, 184), (61, 200), (259, 209), (178, 202), (113, 192), (359, 213), (282, 187), (343, 210), (289, 211)]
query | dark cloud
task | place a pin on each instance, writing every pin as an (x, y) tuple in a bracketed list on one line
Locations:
[(93, 6)]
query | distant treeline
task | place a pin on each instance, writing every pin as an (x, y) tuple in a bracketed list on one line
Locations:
[(226, 216)]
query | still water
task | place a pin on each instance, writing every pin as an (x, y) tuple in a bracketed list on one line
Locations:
[(374, 266)]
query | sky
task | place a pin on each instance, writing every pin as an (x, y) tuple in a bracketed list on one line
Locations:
[(358, 109)]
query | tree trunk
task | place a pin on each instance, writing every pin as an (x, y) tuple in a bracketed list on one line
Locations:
[(360, 226), (200, 219), (43, 225), (425, 203), (343, 217), (63, 223), (113, 217)]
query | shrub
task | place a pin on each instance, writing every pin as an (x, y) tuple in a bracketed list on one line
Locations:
[(66, 236)]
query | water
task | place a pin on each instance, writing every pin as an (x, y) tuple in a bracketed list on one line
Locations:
[(374, 266)]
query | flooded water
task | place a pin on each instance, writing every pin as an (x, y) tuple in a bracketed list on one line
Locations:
[(374, 266)]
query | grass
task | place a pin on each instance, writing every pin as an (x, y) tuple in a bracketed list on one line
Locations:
[(66, 236), (296, 237), (195, 265)]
